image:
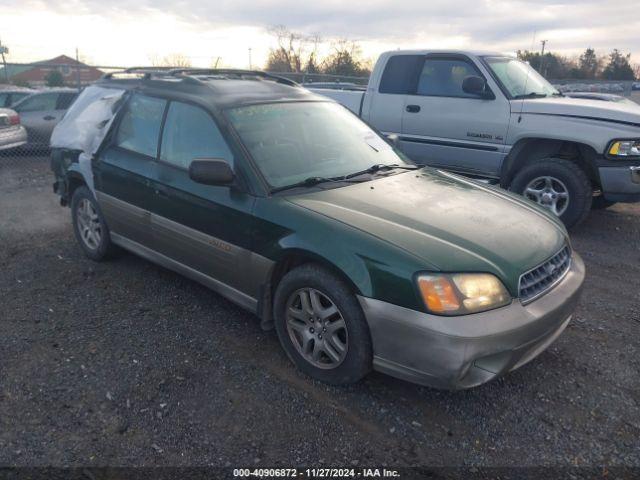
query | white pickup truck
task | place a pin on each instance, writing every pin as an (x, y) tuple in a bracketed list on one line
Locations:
[(492, 116)]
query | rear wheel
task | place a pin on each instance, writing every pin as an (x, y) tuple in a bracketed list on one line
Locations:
[(89, 225), (558, 185), (321, 326)]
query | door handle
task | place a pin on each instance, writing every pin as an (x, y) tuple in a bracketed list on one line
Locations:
[(48, 117), (413, 108)]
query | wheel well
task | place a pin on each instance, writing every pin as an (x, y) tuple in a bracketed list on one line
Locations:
[(530, 149), (73, 183), (288, 262)]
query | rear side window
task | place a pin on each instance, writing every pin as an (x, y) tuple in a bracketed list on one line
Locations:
[(65, 100), (190, 132), (38, 103), (4, 99), (442, 77), (399, 73), (16, 97), (139, 128)]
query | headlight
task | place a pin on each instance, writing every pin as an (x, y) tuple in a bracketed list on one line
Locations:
[(462, 293), (624, 148)]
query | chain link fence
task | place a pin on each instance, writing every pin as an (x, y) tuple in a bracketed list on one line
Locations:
[(30, 106)]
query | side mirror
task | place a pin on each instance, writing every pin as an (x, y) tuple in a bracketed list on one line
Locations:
[(476, 86), (211, 171)]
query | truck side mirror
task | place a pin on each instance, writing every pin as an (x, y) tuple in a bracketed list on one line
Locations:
[(475, 85), (211, 171)]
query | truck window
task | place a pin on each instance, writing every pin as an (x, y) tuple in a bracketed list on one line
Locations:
[(139, 128), (442, 77), (398, 73)]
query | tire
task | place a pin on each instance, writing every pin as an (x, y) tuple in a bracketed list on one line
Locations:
[(89, 226), (600, 203), (355, 360), (574, 206)]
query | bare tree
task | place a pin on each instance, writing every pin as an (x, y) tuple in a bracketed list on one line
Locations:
[(172, 60), (346, 59), (295, 52)]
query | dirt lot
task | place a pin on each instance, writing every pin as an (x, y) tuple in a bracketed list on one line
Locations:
[(125, 363)]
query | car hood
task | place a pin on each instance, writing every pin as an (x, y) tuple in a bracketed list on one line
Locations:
[(447, 222), (579, 107)]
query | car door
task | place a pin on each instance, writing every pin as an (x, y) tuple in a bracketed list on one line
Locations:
[(64, 101), (38, 114), (446, 127), (124, 169), (205, 228)]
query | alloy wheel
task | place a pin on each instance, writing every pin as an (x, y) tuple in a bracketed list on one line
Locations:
[(317, 328), (89, 224), (549, 192)]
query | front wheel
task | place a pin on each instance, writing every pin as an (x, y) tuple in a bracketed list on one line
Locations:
[(558, 185), (321, 326)]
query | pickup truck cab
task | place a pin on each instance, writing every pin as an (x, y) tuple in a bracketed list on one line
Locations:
[(489, 115)]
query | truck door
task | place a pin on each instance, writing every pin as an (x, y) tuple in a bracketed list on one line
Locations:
[(384, 109), (444, 126)]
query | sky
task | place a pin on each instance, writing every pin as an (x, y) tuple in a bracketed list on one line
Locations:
[(127, 33)]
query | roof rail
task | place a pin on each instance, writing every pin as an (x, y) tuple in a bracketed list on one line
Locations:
[(146, 72), (232, 71)]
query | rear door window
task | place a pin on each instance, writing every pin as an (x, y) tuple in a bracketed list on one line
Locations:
[(189, 133), (66, 99), (139, 128), (443, 77), (38, 103), (4, 99), (399, 73)]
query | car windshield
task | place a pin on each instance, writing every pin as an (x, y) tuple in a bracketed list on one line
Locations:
[(519, 78), (292, 142)]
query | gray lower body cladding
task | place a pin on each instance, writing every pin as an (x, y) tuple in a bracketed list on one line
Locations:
[(466, 351)]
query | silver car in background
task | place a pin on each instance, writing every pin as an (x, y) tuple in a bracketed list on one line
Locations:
[(12, 134), (41, 112)]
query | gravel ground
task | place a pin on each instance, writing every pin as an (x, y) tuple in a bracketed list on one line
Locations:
[(124, 363)]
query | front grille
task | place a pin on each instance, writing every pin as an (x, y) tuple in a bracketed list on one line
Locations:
[(540, 280)]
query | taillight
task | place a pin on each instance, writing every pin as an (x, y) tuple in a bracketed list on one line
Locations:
[(14, 119)]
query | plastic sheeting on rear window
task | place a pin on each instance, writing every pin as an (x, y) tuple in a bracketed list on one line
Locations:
[(86, 123)]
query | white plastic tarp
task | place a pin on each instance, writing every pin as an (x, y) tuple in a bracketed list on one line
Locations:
[(86, 123)]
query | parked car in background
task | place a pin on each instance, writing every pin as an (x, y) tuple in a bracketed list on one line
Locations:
[(490, 115), (605, 97), (40, 112), (635, 86), (12, 134), (289, 205), (11, 95)]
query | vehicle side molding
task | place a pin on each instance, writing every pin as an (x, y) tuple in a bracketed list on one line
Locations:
[(211, 171)]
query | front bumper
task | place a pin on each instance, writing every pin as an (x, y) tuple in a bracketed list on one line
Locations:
[(466, 351), (620, 184), (12, 137)]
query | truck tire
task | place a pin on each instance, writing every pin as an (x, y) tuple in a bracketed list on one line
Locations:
[(558, 185), (321, 326), (89, 226)]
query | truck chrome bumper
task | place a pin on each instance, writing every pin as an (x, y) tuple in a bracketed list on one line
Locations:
[(620, 184), (466, 351)]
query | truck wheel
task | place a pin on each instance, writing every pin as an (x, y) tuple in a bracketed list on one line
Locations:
[(321, 326), (600, 203), (89, 225), (558, 185)]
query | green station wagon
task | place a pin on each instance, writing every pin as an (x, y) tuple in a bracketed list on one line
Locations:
[(290, 206)]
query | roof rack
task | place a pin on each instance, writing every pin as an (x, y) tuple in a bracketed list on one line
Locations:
[(146, 72), (232, 71)]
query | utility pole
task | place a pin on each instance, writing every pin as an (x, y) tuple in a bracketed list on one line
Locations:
[(543, 42), (4, 50), (249, 58), (77, 69)]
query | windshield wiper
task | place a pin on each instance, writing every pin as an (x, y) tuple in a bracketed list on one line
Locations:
[(382, 166), (309, 182), (531, 95)]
